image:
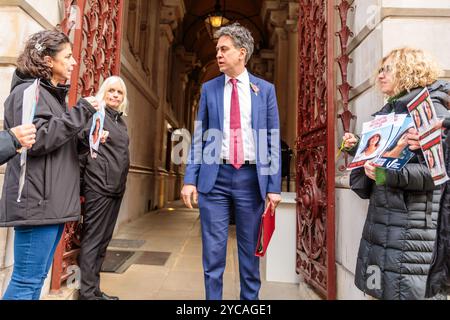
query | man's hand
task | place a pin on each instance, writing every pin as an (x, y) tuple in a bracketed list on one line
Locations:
[(274, 199), (26, 134), (349, 140), (186, 193), (369, 169), (413, 139), (104, 136), (93, 101)]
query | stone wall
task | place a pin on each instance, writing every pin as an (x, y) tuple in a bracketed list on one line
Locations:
[(379, 26)]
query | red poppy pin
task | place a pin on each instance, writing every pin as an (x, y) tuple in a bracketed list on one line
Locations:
[(254, 88)]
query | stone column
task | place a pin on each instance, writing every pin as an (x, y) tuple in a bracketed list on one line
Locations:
[(292, 75), (262, 64), (171, 15), (281, 21), (183, 64), (279, 41)]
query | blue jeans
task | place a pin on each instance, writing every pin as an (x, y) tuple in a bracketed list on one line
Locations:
[(34, 247)]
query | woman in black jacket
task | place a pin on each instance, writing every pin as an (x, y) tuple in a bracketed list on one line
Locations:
[(103, 186), (396, 247), (50, 194), (439, 275)]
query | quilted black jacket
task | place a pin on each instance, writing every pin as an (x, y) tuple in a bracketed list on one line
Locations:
[(400, 229)]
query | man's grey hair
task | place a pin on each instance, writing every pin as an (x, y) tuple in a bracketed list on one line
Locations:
[(241, 36)]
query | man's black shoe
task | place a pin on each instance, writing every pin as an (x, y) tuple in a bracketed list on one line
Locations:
[(90, 298), (104, 296)]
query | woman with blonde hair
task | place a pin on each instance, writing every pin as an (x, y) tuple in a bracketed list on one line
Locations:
[(103, 180), (397, 241)]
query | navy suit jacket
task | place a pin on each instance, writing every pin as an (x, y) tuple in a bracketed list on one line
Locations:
[(204, 157)]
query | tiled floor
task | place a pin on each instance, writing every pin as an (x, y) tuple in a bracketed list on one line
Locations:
[(178, 231)]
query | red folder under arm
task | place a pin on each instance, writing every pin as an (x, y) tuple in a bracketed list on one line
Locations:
[(265, 230)]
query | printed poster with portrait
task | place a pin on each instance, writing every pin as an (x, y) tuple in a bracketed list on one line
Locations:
[(375, 136), (397, 153), (425, 119), (96, 131)]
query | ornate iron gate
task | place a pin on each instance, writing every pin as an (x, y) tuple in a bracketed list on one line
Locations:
[(315, 147), (316, 137), (94, 27)]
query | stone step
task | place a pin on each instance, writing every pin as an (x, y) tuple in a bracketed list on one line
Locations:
[(64, 293)]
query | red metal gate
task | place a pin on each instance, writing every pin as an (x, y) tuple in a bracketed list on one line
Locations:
[(315, 147), (316, 137), (94, 27)]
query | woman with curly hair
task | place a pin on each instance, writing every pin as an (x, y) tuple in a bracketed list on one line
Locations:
[(50, 195), (397, 241)]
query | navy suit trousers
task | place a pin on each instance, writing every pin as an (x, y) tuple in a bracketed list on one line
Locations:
[(238, 190)]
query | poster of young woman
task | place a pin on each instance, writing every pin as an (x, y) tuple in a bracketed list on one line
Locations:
[(375, 136), (397, 153), (422, 110), (96, 130)]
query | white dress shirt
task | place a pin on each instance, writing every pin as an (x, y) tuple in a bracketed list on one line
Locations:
[(245, 107)]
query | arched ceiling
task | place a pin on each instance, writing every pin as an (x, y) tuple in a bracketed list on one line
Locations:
[(194, 36)]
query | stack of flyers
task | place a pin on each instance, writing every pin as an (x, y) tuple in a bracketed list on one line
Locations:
[(383, 142), (29, 104), (397, 153), (422, 111)]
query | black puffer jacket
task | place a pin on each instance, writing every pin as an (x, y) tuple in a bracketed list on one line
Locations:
[(400, 228), (51, 193), (439, 275)]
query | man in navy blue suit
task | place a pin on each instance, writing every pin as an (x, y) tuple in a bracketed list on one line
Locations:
[(234, 162)]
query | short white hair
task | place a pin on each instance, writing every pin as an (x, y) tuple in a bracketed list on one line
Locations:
[(106, 85)]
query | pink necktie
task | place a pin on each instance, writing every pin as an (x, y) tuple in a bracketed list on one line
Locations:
[(236, 145)]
